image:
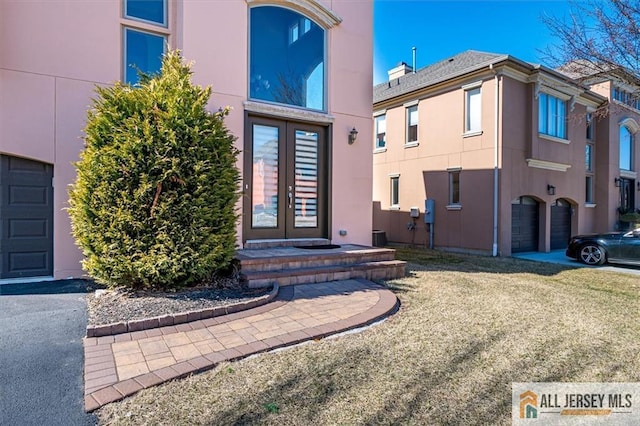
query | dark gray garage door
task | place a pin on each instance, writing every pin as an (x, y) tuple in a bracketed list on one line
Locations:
[(26, 218), (524, 225), (560, 224)]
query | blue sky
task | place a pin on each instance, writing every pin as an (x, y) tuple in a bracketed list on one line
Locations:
[(439, 29)]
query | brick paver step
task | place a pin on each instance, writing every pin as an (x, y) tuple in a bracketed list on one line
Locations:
[(377, 270)]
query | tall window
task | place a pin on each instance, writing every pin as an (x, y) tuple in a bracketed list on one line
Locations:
[(143, 49), (588, 157), (590, 129), (412, 124), (395, 191), (286, 58), (589, 189), (381, 131), (626, 148), (472, 110), (552, 116), (454, 187)]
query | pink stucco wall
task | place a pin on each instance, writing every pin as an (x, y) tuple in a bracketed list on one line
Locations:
[(52, 54)]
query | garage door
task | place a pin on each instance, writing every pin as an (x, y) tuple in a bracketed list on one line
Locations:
[(524, 225), (560, 224), (26, 218)]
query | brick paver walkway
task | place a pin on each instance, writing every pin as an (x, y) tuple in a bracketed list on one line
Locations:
[(121, 365)]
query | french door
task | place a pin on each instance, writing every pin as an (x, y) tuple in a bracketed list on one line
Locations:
[(285, 180)]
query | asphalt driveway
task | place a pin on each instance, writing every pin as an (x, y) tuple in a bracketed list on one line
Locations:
[(42, 326)]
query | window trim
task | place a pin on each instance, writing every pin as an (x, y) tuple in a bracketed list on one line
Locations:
[(394, 177), (454, 204), (407, 109), (165, 13), (631, 147), (125, 65), (376, 147), (546, 134), (468, 131), (305, 13)]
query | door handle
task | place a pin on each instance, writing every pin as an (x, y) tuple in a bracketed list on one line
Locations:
[(290, 196)]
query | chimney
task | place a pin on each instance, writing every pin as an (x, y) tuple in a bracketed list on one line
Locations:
[(399, 71)]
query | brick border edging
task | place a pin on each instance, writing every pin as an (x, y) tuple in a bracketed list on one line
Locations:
[(179, 318), (387, 305)]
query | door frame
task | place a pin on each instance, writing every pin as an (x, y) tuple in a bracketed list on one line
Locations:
[(286, 159)]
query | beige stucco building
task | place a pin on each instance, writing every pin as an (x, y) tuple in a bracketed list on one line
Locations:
[(517, 157), (296, 73)]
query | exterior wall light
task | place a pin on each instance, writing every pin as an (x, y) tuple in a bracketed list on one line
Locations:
[(353, 134), (551, 190), (616, 182)]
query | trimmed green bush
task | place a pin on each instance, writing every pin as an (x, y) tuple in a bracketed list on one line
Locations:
[(154, 203)]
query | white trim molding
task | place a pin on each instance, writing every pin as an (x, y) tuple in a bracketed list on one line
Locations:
[(547, 165), (473, 85), (554, 139), (287, 112), (630, 123), (628, 174), (313, 9)]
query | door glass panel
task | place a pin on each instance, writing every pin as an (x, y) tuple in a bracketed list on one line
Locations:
[(306, 180), (264, 193)]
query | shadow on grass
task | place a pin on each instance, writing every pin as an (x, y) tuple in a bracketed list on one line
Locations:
[(433, 260)]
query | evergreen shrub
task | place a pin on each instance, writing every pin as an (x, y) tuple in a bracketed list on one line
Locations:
[(154, 202)]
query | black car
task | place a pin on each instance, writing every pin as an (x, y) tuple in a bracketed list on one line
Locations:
[(614, 247)]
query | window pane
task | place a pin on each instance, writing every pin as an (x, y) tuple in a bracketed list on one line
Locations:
[(286, 58), (381, 131), (551, 117), (395, 191), (473, 110), (454, 188), (625, 148), (588, 157), (306, 189), (589, 189), (143, 51), (148, 10), (412, 124), (264, 193), (542, 113), (589, 126), (561, 119)]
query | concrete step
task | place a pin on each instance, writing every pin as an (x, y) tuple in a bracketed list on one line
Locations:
[(377, 270)]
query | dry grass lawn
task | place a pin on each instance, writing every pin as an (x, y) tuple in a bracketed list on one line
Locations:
[(468, 327)]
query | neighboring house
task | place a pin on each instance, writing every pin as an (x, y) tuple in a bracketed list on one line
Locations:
[(515, 155), (297, 74)]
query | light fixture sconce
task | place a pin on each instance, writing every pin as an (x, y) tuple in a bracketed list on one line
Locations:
[(551, 190), (616, 182), (353, 134)]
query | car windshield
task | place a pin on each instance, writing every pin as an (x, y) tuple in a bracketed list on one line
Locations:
[(635, 233)]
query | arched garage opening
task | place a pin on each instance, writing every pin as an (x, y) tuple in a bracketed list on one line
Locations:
[(560, 224), (524, 225)]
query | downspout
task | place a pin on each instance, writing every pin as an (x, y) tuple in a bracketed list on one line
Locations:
[(496, 153)]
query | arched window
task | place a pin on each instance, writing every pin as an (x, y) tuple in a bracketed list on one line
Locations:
[(287, 58), (626, 148)]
